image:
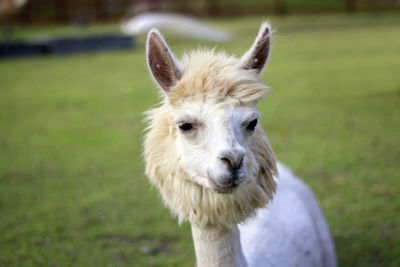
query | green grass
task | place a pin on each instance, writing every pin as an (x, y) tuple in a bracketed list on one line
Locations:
[(72, 188)]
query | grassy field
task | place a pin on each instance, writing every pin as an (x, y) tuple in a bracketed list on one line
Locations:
[(72, 188)]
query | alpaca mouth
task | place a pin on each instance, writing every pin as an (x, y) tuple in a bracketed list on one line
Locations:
[(228, 189), (225, 190)]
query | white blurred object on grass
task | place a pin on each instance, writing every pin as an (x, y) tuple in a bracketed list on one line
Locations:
[(183, 25)]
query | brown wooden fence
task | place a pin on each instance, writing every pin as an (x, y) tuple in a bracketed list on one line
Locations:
[(83, 11)]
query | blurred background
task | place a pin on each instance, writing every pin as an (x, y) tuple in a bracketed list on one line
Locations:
[(65, 11), (74, 85)]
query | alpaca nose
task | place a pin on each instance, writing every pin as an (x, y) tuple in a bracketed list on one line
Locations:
[(233, 160)]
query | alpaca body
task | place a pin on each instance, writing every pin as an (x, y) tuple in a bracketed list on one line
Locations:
[(206, 152), (290, 231)]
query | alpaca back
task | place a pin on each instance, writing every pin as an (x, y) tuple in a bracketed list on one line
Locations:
[(291, 231)]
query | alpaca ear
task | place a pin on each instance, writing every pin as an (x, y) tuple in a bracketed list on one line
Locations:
[(161, 62), (256, 57)]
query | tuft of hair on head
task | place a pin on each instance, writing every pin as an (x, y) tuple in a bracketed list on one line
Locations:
[(167, 71)]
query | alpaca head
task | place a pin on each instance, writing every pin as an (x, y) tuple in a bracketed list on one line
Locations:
[(205, 149)]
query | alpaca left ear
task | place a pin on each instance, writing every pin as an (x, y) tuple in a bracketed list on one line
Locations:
[(256, 57), (161, 61)]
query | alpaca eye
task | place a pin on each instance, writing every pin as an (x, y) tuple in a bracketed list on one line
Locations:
[(252, 125), (185, 126)]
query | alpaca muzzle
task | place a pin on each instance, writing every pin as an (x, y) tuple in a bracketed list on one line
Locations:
[(228, 179)]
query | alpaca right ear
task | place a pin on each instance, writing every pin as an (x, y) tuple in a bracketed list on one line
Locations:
[(257, 56), (162, 64)]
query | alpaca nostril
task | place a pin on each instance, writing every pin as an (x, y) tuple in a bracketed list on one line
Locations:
[(227, 162), (240, 162), (233, 162)]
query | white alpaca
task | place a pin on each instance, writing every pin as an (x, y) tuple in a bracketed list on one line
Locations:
[(207, 154)]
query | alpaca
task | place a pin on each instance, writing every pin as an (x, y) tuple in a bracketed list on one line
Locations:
[(207, 154)]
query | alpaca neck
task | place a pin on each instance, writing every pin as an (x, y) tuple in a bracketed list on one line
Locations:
[(218, 246)]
